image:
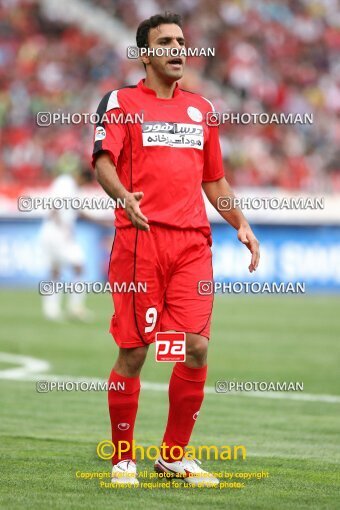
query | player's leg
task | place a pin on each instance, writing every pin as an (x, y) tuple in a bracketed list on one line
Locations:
[(123, 395), (187, 310), (186, 393), (130, 361), (133, 326)]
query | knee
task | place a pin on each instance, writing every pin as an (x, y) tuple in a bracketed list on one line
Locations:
[(130, 361), (197, 350)]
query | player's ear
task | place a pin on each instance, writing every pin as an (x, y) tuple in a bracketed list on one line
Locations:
[(145, 59)]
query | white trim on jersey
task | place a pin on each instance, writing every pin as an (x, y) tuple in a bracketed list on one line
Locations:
[(212, 106), (113, 101)]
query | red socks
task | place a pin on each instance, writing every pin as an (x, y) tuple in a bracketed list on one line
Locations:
[(186, 393), (123, 405)]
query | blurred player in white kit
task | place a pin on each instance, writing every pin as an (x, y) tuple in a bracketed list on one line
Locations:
[(61, 248)]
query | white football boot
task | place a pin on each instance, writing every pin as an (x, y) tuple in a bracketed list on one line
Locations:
[(189, 470), (125, 473)]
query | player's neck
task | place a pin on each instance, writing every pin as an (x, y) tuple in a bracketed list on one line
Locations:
[(163, 90)]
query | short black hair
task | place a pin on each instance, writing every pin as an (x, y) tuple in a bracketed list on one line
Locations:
[(158, 19)]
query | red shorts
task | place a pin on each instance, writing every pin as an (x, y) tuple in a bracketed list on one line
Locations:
[(154, 276)]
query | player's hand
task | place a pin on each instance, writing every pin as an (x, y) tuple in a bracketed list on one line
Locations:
[(246, 236), (132, 209)]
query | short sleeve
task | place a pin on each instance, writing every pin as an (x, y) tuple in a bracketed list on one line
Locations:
[(109, 133), (213, 164)]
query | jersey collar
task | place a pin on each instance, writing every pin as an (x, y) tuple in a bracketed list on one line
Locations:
[(151, 92)]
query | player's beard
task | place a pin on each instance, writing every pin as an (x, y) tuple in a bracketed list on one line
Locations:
[(175, 74), (166, 72)]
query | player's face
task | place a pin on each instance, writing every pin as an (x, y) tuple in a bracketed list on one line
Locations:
[(167, 36)]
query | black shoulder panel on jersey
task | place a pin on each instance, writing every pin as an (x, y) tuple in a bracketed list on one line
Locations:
[(103, 105), (104, 102), (101, 110)]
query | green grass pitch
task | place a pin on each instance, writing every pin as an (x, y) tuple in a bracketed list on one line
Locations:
[(47, 438)]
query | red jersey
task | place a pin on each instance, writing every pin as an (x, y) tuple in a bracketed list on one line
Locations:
[(167, 156)]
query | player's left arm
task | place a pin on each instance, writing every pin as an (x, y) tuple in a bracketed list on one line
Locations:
[(234, 216), (215, 185)]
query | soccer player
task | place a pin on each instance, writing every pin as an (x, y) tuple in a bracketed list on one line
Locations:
[(162, 238), (61, 248)]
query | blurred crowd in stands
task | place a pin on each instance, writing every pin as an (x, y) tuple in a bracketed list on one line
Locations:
[(271, 56)]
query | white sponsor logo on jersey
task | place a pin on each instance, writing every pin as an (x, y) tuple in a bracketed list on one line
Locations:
[(194, 114), (172, 134), (100, 134)]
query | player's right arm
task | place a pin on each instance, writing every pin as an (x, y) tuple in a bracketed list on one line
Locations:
[(106, 175), (109, 138)]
